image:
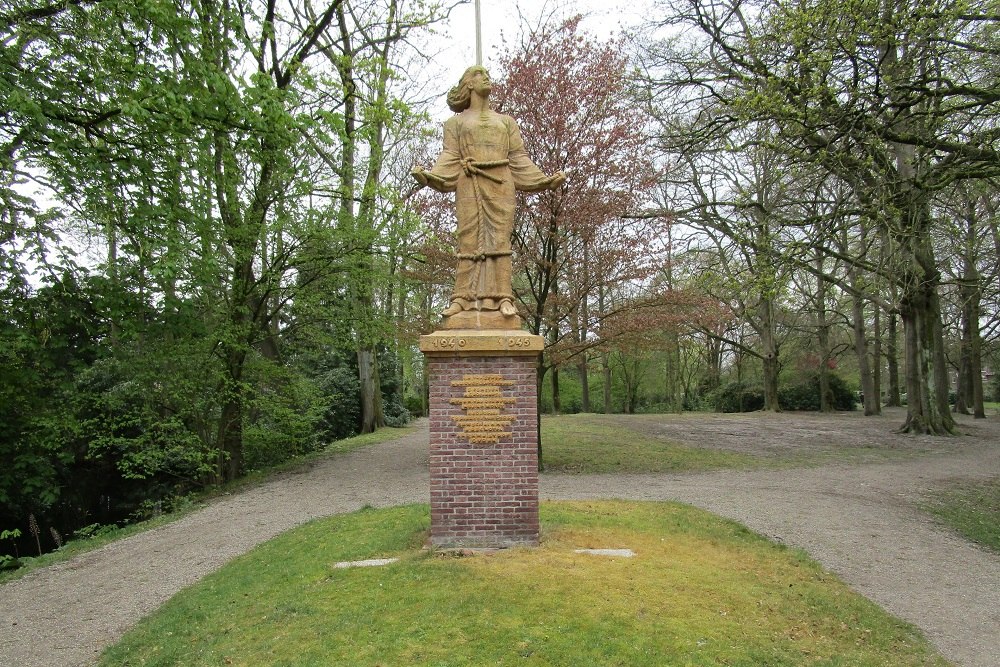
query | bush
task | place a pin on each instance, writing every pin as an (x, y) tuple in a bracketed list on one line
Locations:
[(415, 404), (284, 415), (343, 414), (739, 397), (396, 414), (805, 395)]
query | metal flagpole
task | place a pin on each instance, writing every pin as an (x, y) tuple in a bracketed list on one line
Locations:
[(479, 36)]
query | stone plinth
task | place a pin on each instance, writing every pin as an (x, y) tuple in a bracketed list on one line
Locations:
[(483, 437)]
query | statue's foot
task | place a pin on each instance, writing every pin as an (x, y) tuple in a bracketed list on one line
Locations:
[(507, 308), (454, 309)]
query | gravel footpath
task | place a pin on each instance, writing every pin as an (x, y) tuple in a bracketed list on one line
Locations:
[(858, 520)]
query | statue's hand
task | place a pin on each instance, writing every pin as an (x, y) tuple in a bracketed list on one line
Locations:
[(557, 179), (419, 174)]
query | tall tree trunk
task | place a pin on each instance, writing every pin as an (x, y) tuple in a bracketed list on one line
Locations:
[(927, 409), (672, 374), (877, 355), (963, 382), (230, 438), (539, 380), (583, 331), (556, 400), (553, 335), (894, 397), (823, 339), (605, 361), (926, 371), (872, 405), (372, 417), (363, 223), (606, 375), (970, 373), (769, 354), (713, 360)]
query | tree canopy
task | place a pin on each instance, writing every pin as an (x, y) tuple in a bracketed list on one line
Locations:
[(212, 258)]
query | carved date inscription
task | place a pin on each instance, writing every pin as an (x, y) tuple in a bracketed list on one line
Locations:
[(448, 343), (483, 402)]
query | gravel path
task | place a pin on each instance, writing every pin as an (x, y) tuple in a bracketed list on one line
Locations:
[(859, 520)]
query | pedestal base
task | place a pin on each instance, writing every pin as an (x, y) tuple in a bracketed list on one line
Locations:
[(483, 437)]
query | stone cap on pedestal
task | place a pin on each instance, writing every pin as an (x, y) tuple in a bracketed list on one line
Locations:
[(478, 342)]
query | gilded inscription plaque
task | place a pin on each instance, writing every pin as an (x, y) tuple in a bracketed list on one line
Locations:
[(483, 403)]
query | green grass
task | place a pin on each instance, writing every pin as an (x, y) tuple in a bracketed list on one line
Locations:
[(594, 443), (972, 509), (197, 500), (587, 443), (701, 591)]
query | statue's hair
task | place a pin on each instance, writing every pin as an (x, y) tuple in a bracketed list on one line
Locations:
[(460, 97)]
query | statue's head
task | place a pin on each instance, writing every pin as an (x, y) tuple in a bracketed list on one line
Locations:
[(460, 96)]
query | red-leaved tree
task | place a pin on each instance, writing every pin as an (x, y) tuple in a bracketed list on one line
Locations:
[(574, 249)]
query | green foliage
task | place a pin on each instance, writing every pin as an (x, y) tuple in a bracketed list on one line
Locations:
[(44, 338), (747, 397), (208, 188), (738, 397), (394, 408), (806, 396), (9, 561), (94, 531), (570, 393), (138, 417), (284, 414), (334, 373)]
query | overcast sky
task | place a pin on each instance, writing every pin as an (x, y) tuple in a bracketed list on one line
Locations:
[(500, 20)]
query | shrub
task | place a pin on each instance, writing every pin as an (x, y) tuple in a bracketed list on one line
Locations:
[(415, 404), (343, 414), (805, 395), (284, 415), (739, 397), (395, 413)]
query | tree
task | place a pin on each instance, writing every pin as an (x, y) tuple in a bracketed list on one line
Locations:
[(189, 146), (576, 115), (894, 100), (733, 192), (967, 238)]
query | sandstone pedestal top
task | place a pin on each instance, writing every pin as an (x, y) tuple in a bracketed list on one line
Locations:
[(465, 342)]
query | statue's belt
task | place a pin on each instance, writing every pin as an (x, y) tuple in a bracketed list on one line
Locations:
[(475, 168), (481, 256)]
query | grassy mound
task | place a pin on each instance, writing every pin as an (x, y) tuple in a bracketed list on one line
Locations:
[(700, 591)]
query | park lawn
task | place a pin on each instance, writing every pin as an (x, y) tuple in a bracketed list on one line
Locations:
[(971, 509), (597, 443), (701, 590), (588, 443)]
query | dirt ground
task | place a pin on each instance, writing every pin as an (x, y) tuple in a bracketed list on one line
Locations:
[(811, 436), (856, 513)]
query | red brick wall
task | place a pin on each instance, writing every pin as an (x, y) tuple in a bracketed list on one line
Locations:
[(483, 494)]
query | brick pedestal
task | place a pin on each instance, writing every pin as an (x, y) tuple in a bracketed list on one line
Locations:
[(483, 437)]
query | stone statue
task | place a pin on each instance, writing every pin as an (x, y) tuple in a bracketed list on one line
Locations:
[(483, 162)]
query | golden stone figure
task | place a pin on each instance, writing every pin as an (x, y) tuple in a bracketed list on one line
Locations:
[(483, 162)]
